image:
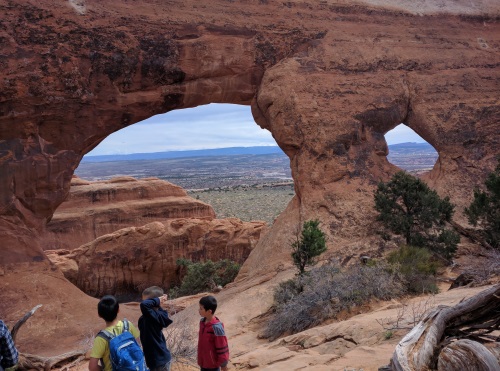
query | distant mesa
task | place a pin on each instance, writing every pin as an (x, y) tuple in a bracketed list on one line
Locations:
[(93, 209), (229, 151)]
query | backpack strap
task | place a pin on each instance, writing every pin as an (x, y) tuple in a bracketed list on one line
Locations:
[(106, 335)]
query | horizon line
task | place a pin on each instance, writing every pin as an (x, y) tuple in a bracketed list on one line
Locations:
[(209, 149)]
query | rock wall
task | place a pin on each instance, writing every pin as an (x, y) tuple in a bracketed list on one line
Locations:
[(327, 78), (127, 261), (94, 209)]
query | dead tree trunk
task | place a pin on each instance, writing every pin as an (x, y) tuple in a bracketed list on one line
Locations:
[(436, 342), (19, 323), (467, 355), (33, 362)]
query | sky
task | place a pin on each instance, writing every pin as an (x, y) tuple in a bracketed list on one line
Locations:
[(204, 127)]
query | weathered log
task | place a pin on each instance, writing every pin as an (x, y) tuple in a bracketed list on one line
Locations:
[(467, 355), (419, 349), (473, 234), (34, 362), (19, 323)]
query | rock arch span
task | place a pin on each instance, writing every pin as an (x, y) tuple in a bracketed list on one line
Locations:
[(328, 79)]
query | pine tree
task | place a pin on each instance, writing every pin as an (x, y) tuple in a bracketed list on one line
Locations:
[(310, 244), (408, 207), (485, 208)]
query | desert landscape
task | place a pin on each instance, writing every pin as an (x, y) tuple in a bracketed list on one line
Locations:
[(328, 79)]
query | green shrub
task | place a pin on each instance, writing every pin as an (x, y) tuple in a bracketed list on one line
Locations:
[(308, 245), (417, 267), (485, 208), (408, 207), (204, 276), (388, 334)]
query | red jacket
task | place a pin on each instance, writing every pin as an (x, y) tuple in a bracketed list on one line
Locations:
[(213, 350)]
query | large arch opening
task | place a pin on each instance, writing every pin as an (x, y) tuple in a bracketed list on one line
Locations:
[(409, 151), (216, 152), (173, 183)]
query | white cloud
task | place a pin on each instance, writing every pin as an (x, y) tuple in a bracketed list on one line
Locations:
[(402, 134), (209, 126)]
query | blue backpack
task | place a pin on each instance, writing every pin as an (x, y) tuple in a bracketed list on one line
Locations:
[(125, 353)]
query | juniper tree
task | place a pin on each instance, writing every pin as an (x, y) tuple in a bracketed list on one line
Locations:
[(408, 207), (204, 276), (485, 208), (309, 244)]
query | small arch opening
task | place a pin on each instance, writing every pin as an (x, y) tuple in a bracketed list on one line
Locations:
[(409, 151)]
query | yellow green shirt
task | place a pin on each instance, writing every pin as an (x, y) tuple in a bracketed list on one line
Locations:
[(100, 348)]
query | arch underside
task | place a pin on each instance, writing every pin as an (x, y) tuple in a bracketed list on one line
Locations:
[(328, 81)]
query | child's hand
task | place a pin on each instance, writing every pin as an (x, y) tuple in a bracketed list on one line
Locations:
[(163, 300)]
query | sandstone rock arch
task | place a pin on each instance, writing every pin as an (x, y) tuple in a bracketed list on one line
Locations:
[(327, 78)]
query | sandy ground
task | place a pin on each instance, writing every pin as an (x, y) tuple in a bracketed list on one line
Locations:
[(358, 343)]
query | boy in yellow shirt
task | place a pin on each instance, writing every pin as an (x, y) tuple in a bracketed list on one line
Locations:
[(108, 309)]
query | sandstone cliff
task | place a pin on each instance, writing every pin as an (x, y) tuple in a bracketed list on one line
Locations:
[(123, 235), (94, 209), (328, 78), (127, 261)]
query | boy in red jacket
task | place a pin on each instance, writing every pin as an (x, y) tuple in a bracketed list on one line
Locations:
[(213, 351)]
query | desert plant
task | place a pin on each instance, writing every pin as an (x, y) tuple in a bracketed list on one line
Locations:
[(408, 315), (181, 341), (408, 207), (485, 208), (482, 271), (388, 334), (308, 300), (310, 243), (417, 267), (204, 276)]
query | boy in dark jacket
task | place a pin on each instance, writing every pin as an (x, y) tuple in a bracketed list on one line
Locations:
[(213, 350), (153, 320)]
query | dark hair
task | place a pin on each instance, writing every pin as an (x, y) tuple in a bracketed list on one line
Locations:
[(108, 308), (209, 303), (152, 292)]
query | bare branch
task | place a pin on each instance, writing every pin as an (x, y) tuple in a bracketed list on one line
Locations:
[(19, 323)]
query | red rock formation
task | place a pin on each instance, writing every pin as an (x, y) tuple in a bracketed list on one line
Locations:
[(127, 261), (327, 78), (93, 209)]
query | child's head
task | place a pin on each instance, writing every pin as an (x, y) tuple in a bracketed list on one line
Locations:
[(152, 292), (108, 308), (208, 304)]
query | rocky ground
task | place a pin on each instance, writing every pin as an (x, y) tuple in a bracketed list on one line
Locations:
[(365, 341)]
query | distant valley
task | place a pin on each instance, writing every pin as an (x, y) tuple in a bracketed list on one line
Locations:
[(228, 167)]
